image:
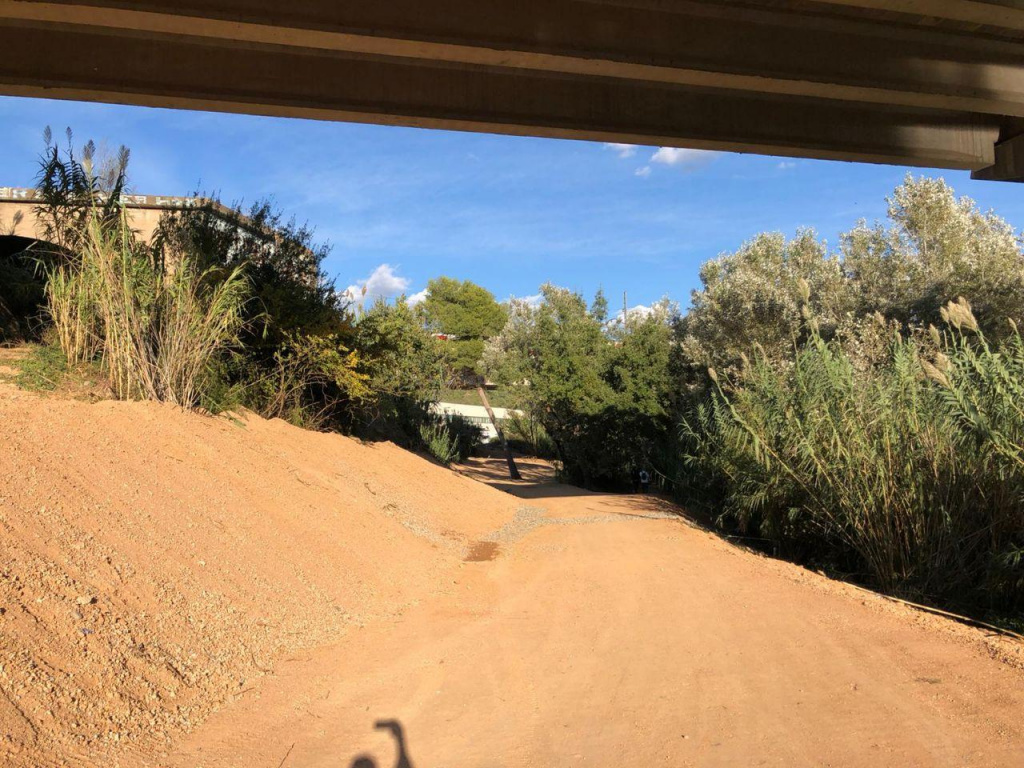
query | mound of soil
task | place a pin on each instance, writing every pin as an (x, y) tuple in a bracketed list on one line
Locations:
[(156, 563)]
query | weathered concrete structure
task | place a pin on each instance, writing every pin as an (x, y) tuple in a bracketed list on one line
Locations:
[(18, 212), (920, 82)]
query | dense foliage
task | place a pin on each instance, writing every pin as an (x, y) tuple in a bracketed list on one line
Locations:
[(295, 359), (405, 366), (906, 473), (467, 315), (861, 436), (600, 392), (859, 409), (224, 308)]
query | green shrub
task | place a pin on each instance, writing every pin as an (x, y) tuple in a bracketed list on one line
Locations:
[(450, 438), (908, 472), (438, 441), (466, 435), (311, 380)]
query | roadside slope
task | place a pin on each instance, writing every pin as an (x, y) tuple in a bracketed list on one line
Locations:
[(157, 563), (189, 592), (604, 631)]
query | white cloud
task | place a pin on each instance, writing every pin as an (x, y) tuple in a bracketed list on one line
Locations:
[(383, 283), (644, 172), (531, 301), (639, 311), (624, 151), (785, 165), (682, 157), (418, 298)]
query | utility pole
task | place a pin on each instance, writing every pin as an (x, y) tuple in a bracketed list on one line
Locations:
[(513, 470)]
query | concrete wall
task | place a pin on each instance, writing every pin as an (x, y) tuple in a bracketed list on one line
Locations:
[(18, 214), (475, 413)]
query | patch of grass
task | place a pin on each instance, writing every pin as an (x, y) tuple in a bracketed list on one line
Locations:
[(43, 369), (500, 397), (236, 421), (156, 329)]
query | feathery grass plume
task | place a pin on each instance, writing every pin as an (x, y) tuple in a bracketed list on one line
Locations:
[(959, 314), (805, 289), (156, 329), (935, 374)]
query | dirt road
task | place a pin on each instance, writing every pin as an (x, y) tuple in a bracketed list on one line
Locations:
[(183, 591), (599, 630)]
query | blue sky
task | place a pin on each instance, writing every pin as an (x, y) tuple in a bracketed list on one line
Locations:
[(509, 213)]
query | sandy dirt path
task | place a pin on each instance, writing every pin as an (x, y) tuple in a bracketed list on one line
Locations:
[(597, 630)]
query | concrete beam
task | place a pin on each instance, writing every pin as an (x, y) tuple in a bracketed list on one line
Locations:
[(176, 72), (1006, 15), (694, 44), (1009, 162), (893, 81)]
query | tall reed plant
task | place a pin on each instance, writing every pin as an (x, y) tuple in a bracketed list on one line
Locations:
[(156, 327), (72, 305), (907, 472)]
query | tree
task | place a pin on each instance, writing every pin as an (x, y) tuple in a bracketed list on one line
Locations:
[(936, 248), (404, 365), (468, 314), (754, 297), (599, 306), (602, 400)]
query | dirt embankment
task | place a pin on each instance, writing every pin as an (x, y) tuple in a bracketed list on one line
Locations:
[(189, 592), (155, 564)]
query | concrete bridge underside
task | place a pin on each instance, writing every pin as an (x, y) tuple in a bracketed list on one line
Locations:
[(936, 83)]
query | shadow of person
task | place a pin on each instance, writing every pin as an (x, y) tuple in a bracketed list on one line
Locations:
[(402, 759)]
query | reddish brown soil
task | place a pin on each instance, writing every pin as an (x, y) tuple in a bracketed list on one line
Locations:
[(178, 590)]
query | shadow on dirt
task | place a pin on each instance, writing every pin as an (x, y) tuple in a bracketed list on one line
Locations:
[(398, 734), (539, 482)]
